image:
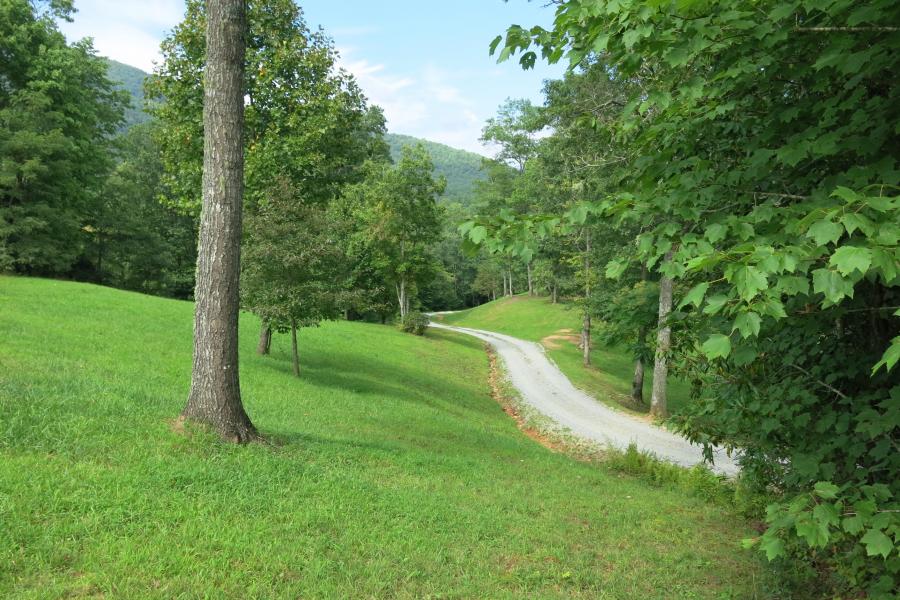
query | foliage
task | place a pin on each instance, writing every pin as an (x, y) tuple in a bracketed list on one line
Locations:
[(57, 111), (389, 445), (398, 220), (291, 262), (415, 323), (757, 144), (304, 120), (138, 243)]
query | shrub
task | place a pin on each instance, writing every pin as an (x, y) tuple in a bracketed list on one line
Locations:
[(415, 323)]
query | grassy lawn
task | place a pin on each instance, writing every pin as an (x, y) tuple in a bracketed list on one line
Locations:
[(390, 473), (536, 318)]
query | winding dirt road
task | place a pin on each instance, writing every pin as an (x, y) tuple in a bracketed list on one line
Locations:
[(544, 387)]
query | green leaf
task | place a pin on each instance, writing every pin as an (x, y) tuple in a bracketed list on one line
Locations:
[(772, 546), (847, 259), (714, 304), (695, 296), (830, 283), (717, 346), (749, 281), (716, 232), (478, 234), (748, 324), (825, 231), (615, 268), (826, 489), (877, 544), (890, 356), (854, 221)]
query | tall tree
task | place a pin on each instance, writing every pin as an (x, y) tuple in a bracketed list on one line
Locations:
[(215, 396), (58, 111), (400, 221)]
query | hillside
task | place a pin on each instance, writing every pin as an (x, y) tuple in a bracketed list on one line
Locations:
[(130, 79), (558, 327), (390, 472), (461, 168)]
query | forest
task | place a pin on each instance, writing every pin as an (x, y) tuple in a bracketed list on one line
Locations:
[(711, 191)]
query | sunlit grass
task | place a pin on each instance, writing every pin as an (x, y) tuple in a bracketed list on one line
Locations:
[(389, 472)]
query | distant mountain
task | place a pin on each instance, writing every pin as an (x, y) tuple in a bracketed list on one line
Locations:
[(461, 168), (130, 79)]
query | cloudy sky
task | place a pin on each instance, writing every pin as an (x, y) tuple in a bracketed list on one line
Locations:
[(425, 62)]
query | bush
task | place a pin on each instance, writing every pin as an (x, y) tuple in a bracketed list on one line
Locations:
[(415, 323)]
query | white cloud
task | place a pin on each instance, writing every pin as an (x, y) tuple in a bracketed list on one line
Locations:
[(128, 31), (425, 104)]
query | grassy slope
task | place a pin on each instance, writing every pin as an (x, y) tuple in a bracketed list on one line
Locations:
[(536, 318), (391, 473)]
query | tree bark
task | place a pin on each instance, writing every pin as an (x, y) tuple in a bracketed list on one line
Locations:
[(530, 283), (401, 297), (586, 320), (658, 399), (637, 384), (215, 396), (265, 339), (295, 354)]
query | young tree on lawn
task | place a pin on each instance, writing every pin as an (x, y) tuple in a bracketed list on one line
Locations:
[(215, 396), (401, 220), (293, 264)]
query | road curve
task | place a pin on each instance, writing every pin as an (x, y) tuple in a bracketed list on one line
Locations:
[(544, 387)]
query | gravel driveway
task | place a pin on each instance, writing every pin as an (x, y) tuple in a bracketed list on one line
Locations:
[(544, 387)]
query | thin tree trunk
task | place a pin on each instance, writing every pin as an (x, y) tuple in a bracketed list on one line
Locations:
[(553, 294), (215, 396), (295, 355), (530, 283), (637, 384), (511, 291), (401, 297), (586, 320), (658, 399), (265, 339)]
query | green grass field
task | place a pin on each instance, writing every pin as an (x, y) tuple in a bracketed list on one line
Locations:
[(390, 472), (536, 318)]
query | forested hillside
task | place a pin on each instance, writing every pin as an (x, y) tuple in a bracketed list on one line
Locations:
[(461, 168), (130, 79)]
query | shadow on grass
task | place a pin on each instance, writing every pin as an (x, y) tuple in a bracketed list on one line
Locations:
[(374, 377)]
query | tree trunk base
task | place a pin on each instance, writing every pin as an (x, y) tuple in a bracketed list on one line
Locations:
[(236, 432)]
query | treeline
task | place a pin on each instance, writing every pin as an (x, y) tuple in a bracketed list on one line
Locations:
[(715, 184), (333, 226)]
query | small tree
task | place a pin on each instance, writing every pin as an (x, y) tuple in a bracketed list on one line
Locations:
[(292, 266)]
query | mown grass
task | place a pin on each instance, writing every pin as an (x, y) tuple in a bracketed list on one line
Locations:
[(535, 318), (389, 472)]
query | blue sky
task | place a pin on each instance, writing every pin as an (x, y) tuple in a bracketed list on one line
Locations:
[(424, 61)]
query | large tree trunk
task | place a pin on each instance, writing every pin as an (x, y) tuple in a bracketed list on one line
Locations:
[(586, 339), (215, 397), (658, 398), (295, 354), (530, 283), (265, 339)]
